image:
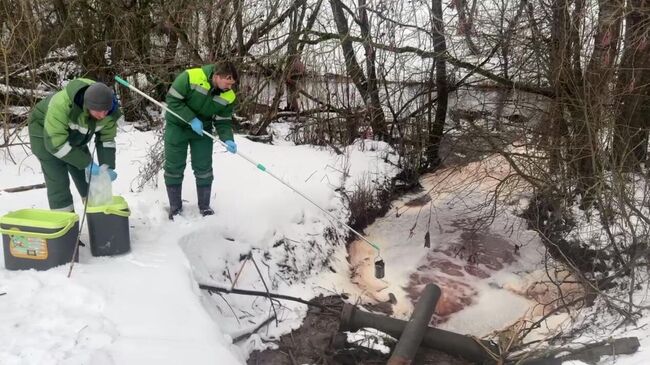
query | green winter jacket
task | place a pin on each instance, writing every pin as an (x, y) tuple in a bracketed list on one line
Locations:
[(193, 96), (65, 126)]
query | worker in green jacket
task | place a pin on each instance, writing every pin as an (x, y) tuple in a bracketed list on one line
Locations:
[(61, 126), (203, 97)]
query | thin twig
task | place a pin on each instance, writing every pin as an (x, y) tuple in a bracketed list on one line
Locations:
[(229, 306), (246, 335), (263, 294), (240, 271), (266, 288)]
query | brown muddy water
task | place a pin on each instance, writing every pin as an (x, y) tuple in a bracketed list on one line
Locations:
[(476, 256)]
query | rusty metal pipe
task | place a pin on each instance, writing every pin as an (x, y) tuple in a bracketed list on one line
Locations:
[(353, 319), (411, 338)]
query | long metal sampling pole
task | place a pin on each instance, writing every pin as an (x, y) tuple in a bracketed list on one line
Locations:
[(264, 169)]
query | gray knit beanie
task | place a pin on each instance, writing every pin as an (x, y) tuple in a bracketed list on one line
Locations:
[(98, 97)]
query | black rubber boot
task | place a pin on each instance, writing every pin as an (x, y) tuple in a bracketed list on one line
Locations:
[(203, 193), (174, 193)]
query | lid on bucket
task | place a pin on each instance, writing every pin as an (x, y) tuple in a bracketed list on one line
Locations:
[(118, 207), (40, 218)]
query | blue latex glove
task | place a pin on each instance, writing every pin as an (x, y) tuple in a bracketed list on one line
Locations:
[(93, 168), (231, 146), (116, 104), (197, 126), (112, 174)]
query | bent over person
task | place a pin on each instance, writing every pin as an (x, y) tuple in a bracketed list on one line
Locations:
[(203, 97), (60, 128)]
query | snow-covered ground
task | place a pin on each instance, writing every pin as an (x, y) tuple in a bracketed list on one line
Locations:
[(145, 307)]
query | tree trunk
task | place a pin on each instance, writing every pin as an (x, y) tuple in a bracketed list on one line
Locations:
[(351, 65), (633, 86), (297, 69), (239, 26), (466, 24), (286, 74), (442, 86), (566, 78), (294, 65), (589, 117), (370, 94), (377, 117)]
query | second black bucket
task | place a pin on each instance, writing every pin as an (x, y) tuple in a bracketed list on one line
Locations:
[(108, 226)]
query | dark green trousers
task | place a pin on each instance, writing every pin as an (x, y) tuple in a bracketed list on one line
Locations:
[(177, 139), (57, 180)]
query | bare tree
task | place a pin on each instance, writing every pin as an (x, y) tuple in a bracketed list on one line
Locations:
[(633, 88), (367, 85), (436, 127)]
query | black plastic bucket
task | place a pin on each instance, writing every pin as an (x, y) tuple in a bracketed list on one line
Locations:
[(38, 239), (108, 227)]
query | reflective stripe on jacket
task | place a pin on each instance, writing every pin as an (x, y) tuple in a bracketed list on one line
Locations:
[(65, 125), (191, 95)]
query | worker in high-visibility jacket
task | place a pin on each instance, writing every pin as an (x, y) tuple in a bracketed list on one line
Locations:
[(60, 128), (204, 98)]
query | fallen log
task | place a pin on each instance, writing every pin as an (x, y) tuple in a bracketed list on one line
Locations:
[(24, 188), (590, 353)]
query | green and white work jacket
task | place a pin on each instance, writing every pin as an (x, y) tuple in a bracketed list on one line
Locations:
[(66, 126), (192, 95)]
